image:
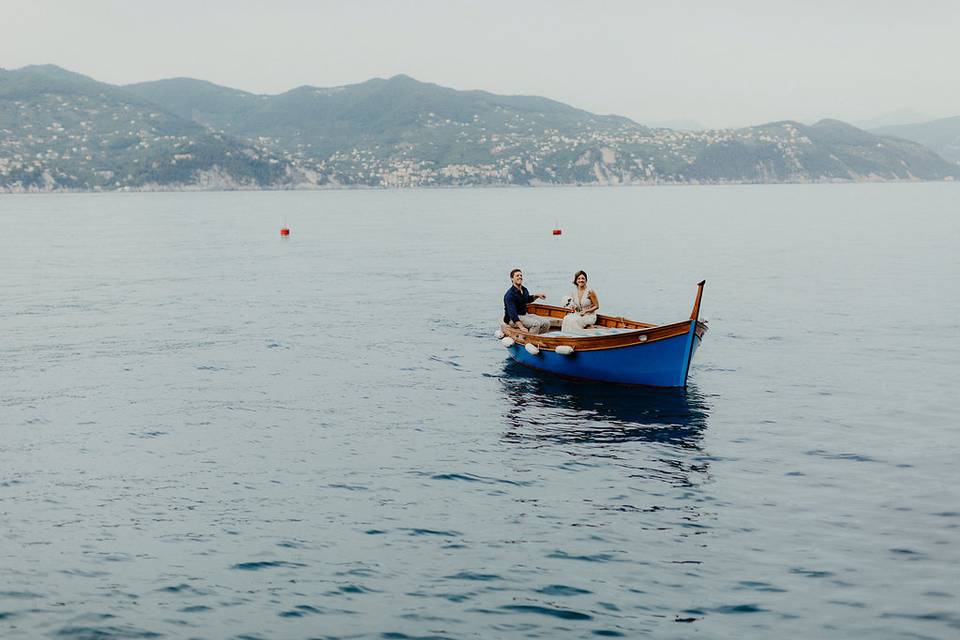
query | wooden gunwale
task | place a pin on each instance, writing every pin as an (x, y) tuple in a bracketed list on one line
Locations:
[(653, 333)]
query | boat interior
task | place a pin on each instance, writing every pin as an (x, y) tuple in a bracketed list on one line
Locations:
[(593, 330), (605, 326)]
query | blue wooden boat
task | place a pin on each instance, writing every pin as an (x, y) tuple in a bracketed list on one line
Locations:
[(617, 350)]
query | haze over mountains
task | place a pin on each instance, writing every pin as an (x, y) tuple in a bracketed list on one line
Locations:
[(941, 136), (62, 130)]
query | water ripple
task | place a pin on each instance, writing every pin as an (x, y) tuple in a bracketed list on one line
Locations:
[(267, 564), (562, 590), (469, 575), (565, 614), (105, 633), (470, 477), (596, 557)]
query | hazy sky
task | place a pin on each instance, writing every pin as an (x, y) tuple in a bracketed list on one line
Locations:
[(721, 63)]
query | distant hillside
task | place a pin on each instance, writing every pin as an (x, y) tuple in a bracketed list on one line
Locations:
[(62, 130), (680, 124), (827, 150), (941, 136), (428, 121)]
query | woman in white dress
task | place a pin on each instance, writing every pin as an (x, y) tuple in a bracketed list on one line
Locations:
[(584, 303)]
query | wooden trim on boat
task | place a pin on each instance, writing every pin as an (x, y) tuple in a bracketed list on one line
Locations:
[(695, 317), (695, 314), (642, 333)]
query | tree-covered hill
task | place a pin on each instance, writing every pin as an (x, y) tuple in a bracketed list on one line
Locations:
[(828, 150), (63, 130), (376, 112), (59, 129)]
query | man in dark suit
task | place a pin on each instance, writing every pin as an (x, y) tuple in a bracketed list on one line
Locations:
[(515, 306)]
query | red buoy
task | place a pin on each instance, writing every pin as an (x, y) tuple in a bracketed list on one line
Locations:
[(284, 231), (557, 232)]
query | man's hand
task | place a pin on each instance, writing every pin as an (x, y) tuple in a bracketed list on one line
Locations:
[(542, 296)]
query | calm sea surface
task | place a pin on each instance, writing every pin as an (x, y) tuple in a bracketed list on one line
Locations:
[(207, 431)]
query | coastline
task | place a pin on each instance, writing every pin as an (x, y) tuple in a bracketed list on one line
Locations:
[(186, 188)]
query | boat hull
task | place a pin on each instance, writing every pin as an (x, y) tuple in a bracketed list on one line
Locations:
[(664, 363)]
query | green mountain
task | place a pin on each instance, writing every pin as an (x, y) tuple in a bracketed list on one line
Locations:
[(401, 131), (382, 120), (941, 136), (62, 130), (828, 150)]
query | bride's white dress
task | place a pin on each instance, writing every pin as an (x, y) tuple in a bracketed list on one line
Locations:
[(576, 322)]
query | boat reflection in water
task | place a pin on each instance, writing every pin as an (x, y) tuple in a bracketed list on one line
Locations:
[(574, 411), (603, 421)]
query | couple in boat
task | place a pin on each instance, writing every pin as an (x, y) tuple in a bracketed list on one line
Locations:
[(583, 305)]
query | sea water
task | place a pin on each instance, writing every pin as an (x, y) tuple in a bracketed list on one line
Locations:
[(210, 431)]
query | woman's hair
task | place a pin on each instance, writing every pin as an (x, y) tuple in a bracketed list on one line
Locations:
[(578, 274)]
